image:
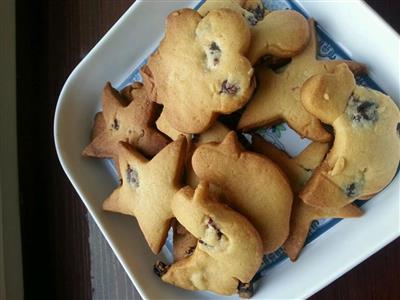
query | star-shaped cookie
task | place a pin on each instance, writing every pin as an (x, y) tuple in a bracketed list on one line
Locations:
[(278, 95), (129, 117), (299, 170), (281, 33), (148, 187)]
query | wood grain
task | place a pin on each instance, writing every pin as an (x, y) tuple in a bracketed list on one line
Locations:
[(52, 37)]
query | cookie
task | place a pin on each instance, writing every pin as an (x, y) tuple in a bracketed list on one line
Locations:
[(366, 151), (253, 185), (299, 170), (126, 117), (229, 250), (200, 71), (184, 242), (147, 189), (278, 95), (280, 33)]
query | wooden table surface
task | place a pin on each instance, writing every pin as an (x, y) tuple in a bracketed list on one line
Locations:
[(52, 37)]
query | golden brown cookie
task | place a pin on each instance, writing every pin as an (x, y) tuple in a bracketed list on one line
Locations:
[(253, 185), (278, 95), (127, 117), (299, 170), (366, 151), (229, 250), (200, 71), (147, 189), (281, 33)]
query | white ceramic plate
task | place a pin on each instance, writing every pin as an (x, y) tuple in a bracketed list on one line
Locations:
[(363, 36)]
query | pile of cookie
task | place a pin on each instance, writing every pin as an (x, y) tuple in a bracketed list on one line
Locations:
[(229, 200)]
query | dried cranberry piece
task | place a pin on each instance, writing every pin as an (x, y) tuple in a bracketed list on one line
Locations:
[(115, 124), (229, 88), (215, 53), (351, 190), (160, 268), (245, 290), (190, 251), (194, 137), (132, 176), (258, 12), (367, 110), (214, 226)]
